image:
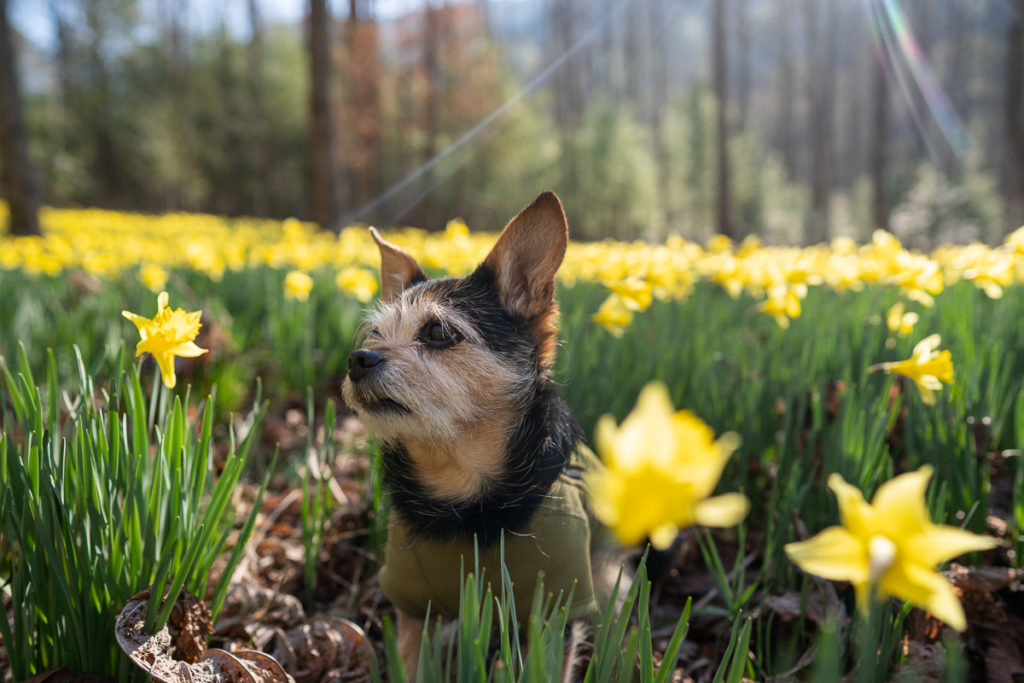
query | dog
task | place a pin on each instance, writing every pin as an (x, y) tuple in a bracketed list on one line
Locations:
[(479, 448)]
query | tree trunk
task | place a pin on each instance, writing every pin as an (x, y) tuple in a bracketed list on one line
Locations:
[(786, 131), (106, 163), (1013, 107), (325, 187), (719, 77), (259, 155), (432, 37), (817, 64), (879, 143), (17, 177), (744, 38)]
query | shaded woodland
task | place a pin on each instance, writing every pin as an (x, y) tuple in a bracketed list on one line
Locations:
[(793, 120)]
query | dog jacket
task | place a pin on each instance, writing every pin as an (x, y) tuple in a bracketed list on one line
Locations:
[(557, 542)]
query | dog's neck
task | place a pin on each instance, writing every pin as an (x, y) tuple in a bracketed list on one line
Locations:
[(459, 470), (536, 450)]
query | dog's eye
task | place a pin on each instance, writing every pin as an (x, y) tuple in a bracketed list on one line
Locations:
[(435, 334)]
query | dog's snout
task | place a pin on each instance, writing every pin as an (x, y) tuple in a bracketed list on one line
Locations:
[(361, 362)]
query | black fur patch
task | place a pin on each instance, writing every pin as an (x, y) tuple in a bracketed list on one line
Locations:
[(539, 449)]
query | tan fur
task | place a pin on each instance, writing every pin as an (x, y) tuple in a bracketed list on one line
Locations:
[(460, 400), (397, 267), (525, 259), (459, 471), (410, 633), (527, 255)]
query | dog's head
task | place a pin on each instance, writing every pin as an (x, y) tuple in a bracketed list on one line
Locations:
[(447, 367)]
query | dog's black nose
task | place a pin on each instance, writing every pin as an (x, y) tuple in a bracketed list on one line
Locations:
[(361, 362)]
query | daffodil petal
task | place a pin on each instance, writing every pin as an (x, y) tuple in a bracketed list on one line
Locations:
[(139, 320), (899, 503), (854, 512), (166, 363), (940, 542), (663, 536), (725, 510), (188, 350), (834, 554), (926, 588)]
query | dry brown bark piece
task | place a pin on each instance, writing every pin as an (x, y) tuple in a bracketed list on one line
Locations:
[(177, 653)]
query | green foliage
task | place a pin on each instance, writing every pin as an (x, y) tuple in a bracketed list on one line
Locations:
[(104, 494), (622, 639), (609, 171), (937, 210), (764, 199)]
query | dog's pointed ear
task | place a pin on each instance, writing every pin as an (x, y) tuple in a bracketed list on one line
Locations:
[(528, 254), (398, 269)]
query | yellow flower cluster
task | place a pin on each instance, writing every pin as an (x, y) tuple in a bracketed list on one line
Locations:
[(107, 243)]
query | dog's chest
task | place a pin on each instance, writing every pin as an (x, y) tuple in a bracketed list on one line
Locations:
[(422, 572)]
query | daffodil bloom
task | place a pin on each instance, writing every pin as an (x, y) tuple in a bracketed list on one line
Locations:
[(782, 304), (635, 293), (168, 334), (661, 468), (927, 366), (890, 544), (357, 282), (900, 323), (614, 315), (154, 277), (297, 285)]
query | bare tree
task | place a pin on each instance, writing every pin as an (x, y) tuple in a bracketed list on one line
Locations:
[(818, 96), (433, 36), (719, 77), (106, 162), (17, 176), (879, 143), (743, 40), (1013, 109), (786, 127), (325, 190), (258, 154)]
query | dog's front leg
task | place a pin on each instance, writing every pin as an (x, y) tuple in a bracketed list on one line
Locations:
[(410, 634)]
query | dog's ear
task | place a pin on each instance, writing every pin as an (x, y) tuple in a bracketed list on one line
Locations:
[(528, 254), (398, 270)]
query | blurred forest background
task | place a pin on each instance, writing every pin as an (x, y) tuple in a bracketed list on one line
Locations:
[(794, 120)]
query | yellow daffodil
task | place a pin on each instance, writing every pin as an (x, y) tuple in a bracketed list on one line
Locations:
[(614, 315), (900, 323), (661, 467), (357, 282), (154, 277), (297, 285), (891, 544), (168, 334), (635, 293), (927, 366), (782, 304)]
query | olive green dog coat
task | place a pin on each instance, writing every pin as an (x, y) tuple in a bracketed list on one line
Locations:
[(557, 542)]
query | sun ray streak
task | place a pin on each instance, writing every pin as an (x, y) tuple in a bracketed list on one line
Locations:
[(897, 46), (595, 31)]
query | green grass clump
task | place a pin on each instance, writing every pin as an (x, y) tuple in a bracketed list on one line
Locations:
[(104, 493)]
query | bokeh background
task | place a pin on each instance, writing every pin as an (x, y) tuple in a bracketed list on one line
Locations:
[(795, 120)]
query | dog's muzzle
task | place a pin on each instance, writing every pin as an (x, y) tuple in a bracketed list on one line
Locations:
[(363, 362)]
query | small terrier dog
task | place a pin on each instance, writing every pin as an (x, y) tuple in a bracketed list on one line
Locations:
[(454, 378)]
